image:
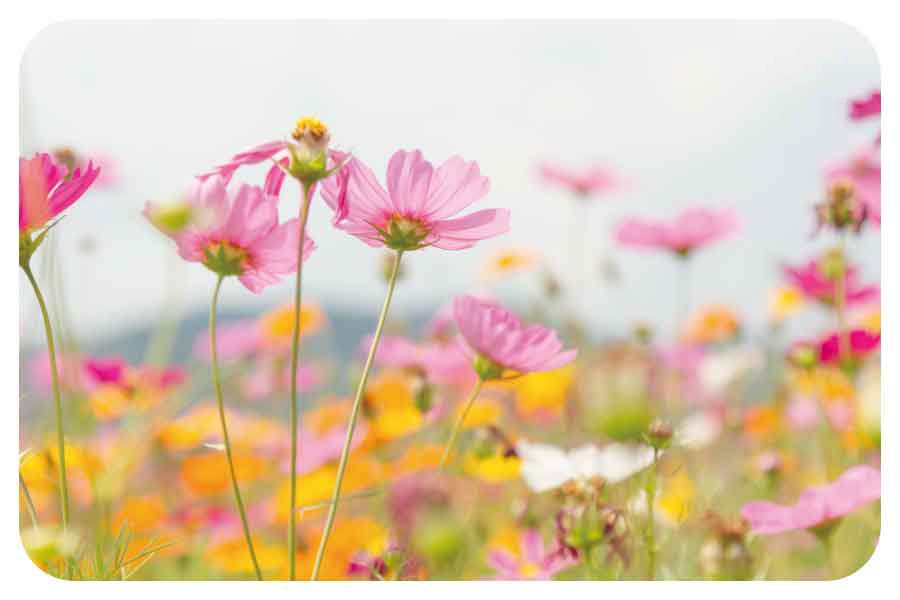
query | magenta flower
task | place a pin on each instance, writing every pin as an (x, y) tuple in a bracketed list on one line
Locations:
[(818, 505), (100, 371), (45, 190), (498, 340), (868, 106), (691, 229), (591, 181), (419, 205), (242, 235), (534, 562), (812, 280), (862, 171), (862, 343)]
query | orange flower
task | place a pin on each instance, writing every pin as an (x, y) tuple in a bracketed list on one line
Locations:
[(417, 458), (712, 324), (232, 556), (506, 262), (391, 403), (191, 429), (277, 326), (207, 474), (349, 537), (316, 486), (142, 513), (761, 421)]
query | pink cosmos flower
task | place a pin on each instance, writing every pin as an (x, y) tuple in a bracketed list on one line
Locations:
[(862, 342), (818, 505), (868, 106), (594, 180), (99, 371), (440, 362), (234, 340), (419, 205), (692, 228), (243, 236), (863, 171), (495, 334), (534, 562), (811, 280), (45, 190)]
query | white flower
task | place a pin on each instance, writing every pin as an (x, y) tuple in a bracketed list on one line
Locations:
[(545, 467), (698, 430), (719, 371)]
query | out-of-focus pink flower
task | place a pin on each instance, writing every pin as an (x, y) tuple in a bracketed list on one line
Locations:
[(862, 170), (234, 340), (244, 237), (419, 206), (691, 229), (441, 362), (857, 487), (318, 448), (867, 106), (862, 342), (45, 190), (495, 334), (441, 325), (591, 181), (534, 561), (812, 280), (99, 371), (70, 371), (802, 413)]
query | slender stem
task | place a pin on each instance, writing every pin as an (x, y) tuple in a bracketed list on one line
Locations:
[(459, 422), (54, 377), (354, 415), (683, 295), (295, 357), (650, 493), (29, 504), (217, 385), (840, 305)]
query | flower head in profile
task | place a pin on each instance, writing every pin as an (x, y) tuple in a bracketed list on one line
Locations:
[(854, 190), (817, 280), (499, 341), (857, 487), (532, 561), (46, 189), (861, 343), (241, 236), (419, 206), (546, 467), (594, 180), (691, 229)]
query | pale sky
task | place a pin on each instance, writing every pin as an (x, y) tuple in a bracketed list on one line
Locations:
[(741, 114)]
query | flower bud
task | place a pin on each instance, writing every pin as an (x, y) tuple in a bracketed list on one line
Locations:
[(309, 150), (659, 434), (803, 356)]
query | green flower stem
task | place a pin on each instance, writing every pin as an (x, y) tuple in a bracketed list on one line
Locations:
[(650, 534), (217, 385), (459, 422), (840, 305), (54, 376), (295, 357), (28, 502), (354, 416)]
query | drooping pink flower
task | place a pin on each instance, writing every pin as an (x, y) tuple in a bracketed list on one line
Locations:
[(495, 334), (812, 280), (45, 190), (863, 172), (857, 487), (861, 341), (591, 181), (867, 106), (419, 206), (534, 560), (691, 229), (243, 236)]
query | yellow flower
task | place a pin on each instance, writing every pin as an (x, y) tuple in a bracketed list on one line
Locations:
[(506, 262), (392, 406), (109, 402), (417, 458), (232, 556), (674, 502), (712, 324), (507, 538), (484, 411), (316, 486), (349, 537), (189, 430), (493, 469), (277, 326), (785, 302), (870, 320), (543, 393), (828, 384)]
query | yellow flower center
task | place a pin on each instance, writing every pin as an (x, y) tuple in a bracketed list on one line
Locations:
[(311, 126)]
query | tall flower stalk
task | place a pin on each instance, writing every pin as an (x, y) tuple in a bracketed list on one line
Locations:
[(295, 358), (454, 433), (354, 416), (217, 386)]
